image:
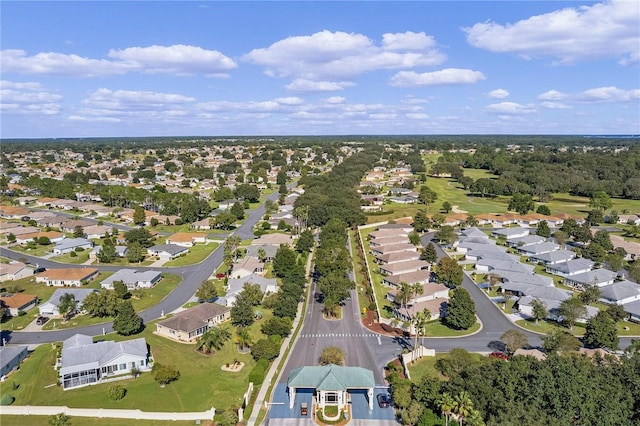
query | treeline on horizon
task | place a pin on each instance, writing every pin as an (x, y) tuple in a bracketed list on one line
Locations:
[(438, 142)]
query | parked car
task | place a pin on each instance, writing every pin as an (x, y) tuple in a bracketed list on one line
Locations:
[(383, 400), (499, 355), (41, 320)]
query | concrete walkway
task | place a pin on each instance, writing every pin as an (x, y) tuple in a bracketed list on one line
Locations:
[(33, 410)]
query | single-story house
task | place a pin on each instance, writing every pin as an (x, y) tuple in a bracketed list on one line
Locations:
[(620, 292), (404, 267), (70, 225), (525, 241), (430, 291), (133, 279), (50, 307), (403, 256), (167, 251), (74, 277), (422, 276), (269, 251), (387, 241), (71, 244), (18, 230), (536, 249), (597, 277), (86, 363), (190, 324), (437, 307), (570, 267), (394, 248), (201, 225), (275, 239), (187, 239), (331, 384), (97, 231), (14, 271), (19, 302), (553, 257), (387, 233), (13, 212), (510, 233), (54, 237), (633, 310), (10, 358), (236, 285), (247, 266)]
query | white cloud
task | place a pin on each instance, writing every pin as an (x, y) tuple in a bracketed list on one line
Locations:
[(28, 98), (445, 76), (498, 94), (335, 100), (309, 86), (552, 95), (50, 63), (407, 41), (326, 55), (417, 116), (510, 108), (609, 94), (176, 59), (604, 30), (554, 105)]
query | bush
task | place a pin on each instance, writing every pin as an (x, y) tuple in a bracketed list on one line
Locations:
[(73, 254), (178, 222), (7, 399), (79, 249), (258, 373), (116, 392)]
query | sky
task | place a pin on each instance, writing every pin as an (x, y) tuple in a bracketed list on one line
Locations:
[(241, 68)]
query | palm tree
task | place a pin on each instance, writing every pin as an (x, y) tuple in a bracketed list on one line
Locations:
[(405, 293), (417, 289), (475, 419), (243, 338), (213, 339), (420, 322), (446, 403), (262, 254), (462, 406)]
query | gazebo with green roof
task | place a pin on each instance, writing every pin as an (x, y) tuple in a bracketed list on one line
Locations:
[(331, 383)]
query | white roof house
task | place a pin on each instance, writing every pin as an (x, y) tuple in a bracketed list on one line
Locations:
[(50, 307), (620, 292), (235, 286), (70, 244), (133, 279), (86, 363)]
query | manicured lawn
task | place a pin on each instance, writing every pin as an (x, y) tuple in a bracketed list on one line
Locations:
[(79, 259), (202, 384), (381, 291), (437, 329), (196, 254), (37, 251), (547, 327)]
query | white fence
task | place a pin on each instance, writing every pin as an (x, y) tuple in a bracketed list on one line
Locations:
[(33, 410)]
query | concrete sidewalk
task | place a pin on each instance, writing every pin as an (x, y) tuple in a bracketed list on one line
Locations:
[(33, 410)]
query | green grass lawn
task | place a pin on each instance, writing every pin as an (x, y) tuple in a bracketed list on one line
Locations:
[(86, 421), (547, 327), (78, 259), (196, 254), (381, 291), (437, 329), (202, 384)]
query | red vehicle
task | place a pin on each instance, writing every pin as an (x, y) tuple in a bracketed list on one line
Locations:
[(499, 355), (220, 276)]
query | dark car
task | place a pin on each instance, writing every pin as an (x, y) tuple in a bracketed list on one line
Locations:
[(41, 320), (383, 400)]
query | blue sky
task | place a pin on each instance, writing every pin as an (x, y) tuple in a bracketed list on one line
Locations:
[(212, 68)]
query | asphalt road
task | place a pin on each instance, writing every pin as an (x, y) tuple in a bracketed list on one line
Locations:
[(192, 277)]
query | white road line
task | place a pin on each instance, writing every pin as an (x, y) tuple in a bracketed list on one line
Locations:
[(379, 342)]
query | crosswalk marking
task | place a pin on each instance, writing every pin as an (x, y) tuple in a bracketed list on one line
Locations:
[(306, 336)]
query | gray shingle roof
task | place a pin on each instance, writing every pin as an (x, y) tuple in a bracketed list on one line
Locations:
[(94, 355), (195, 317), (620, 290)]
